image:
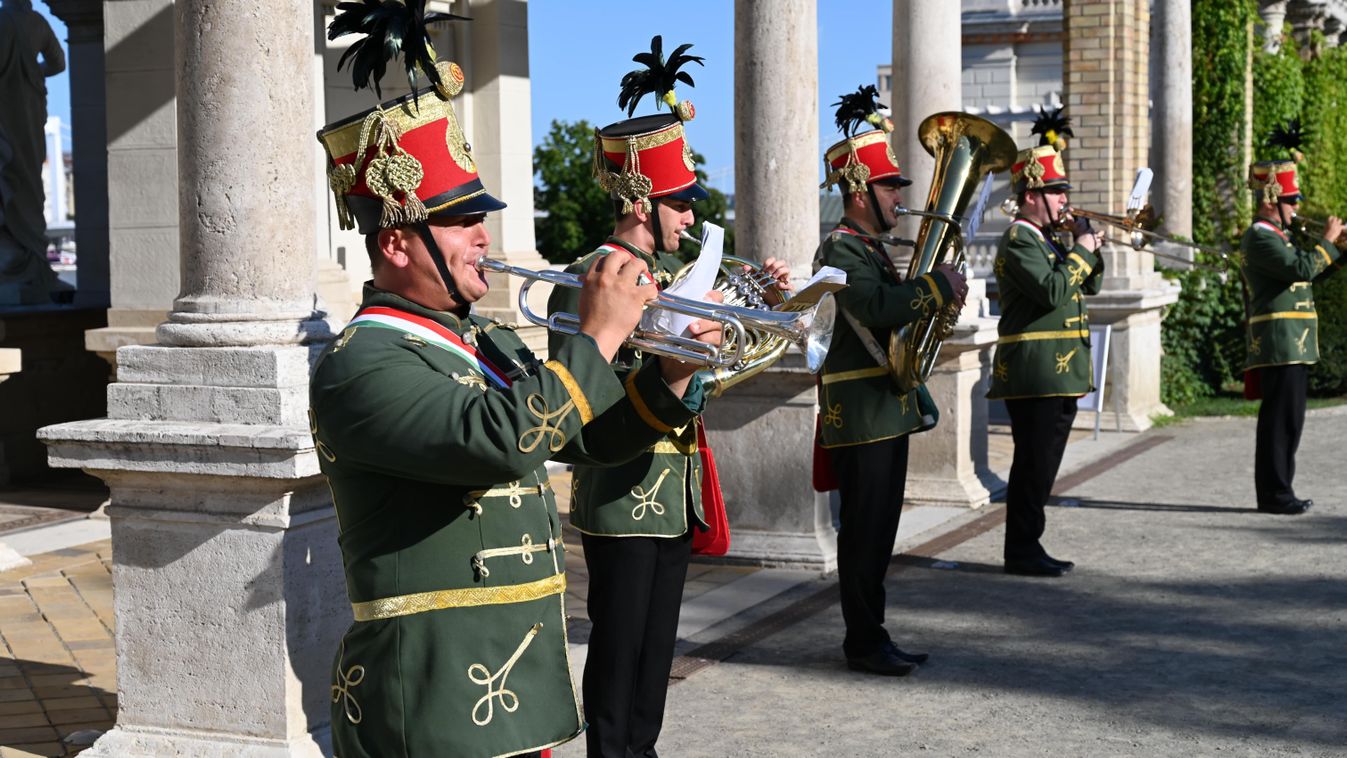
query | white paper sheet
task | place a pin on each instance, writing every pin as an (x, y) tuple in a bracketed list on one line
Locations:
[(694, 286)]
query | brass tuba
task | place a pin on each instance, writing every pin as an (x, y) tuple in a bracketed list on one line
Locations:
[(965, 149)]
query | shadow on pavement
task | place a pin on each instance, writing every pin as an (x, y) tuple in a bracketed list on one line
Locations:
[(54, 703), (1235, 656), (1122, 505)]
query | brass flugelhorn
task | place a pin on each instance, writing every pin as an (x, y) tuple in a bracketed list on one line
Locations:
[(744, 283), (810, 330)]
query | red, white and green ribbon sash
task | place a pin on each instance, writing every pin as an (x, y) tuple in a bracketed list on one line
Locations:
[(433, 332), (1267, 225)]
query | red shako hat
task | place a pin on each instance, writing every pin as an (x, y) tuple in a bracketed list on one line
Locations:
[(864, 156)]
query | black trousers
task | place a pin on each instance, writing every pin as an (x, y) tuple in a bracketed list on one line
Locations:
[(635, 590), (1281, 418), (870, 480), (1039, 427)]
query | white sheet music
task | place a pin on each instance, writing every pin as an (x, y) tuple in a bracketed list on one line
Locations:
[(694, 286)]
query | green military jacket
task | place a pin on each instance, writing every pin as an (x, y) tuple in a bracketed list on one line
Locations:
[(1043, 348), (652, 494), (858, 402), (1282, 327), (448, 528)]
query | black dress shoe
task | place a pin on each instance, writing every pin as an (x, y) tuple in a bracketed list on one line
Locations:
[(1065, 565), (909, 657), (1293, 508), (882, 662), (1034, 567)]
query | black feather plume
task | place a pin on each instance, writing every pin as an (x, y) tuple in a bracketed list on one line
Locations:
[(856, 109), (1052, 126), (390, 27), (1290, 136), (658, 77)]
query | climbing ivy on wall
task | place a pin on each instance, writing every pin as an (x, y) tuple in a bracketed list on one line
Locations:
[(1202, 332)]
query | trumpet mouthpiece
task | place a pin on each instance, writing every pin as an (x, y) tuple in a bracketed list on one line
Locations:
[(685, 236)]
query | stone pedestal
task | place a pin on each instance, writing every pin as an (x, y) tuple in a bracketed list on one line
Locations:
[(948, 464), (1108, 93), (1134, 356), (227, 577), (228, 590), (59, 381), (11, 362), (763, 429), (762, 433)]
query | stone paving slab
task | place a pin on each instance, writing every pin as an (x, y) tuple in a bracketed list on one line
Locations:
[(1192, 626)]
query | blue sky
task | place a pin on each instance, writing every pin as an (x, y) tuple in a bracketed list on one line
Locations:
[(578, 52)]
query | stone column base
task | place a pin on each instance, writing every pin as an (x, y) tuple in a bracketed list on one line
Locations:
[(228, 584), (126, 326), (153, 743)]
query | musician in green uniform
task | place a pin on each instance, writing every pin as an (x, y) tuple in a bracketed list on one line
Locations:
[(1041, 365), (636, 519), (1283, 327), (864, 421), (432, 426)]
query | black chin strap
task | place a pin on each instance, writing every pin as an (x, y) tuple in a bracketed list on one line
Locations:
[(880, 224), (656, 227), (423, 229)]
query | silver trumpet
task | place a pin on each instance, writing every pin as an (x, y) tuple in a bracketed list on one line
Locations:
[(810, 330)]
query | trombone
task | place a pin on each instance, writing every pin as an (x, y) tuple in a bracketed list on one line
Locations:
[(1140, 228), (1139, 225), (1317, 229), (810, 330)]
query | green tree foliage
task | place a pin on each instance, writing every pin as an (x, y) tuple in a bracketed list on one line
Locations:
[(1278, 93), (579, 213)]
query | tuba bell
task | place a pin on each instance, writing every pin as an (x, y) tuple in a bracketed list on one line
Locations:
[(965, 149)]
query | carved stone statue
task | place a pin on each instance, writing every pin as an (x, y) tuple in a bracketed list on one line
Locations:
[(25, 277)]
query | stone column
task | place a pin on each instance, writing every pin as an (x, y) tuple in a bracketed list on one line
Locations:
[(927, 76), (88, 145), (763, 429), (1273, 13), (497, 116), (1172, 119), (1107, 92), (142, 182), (947, 465), (227, 579)]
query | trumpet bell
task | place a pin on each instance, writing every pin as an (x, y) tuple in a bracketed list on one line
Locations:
[(816, 334)]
